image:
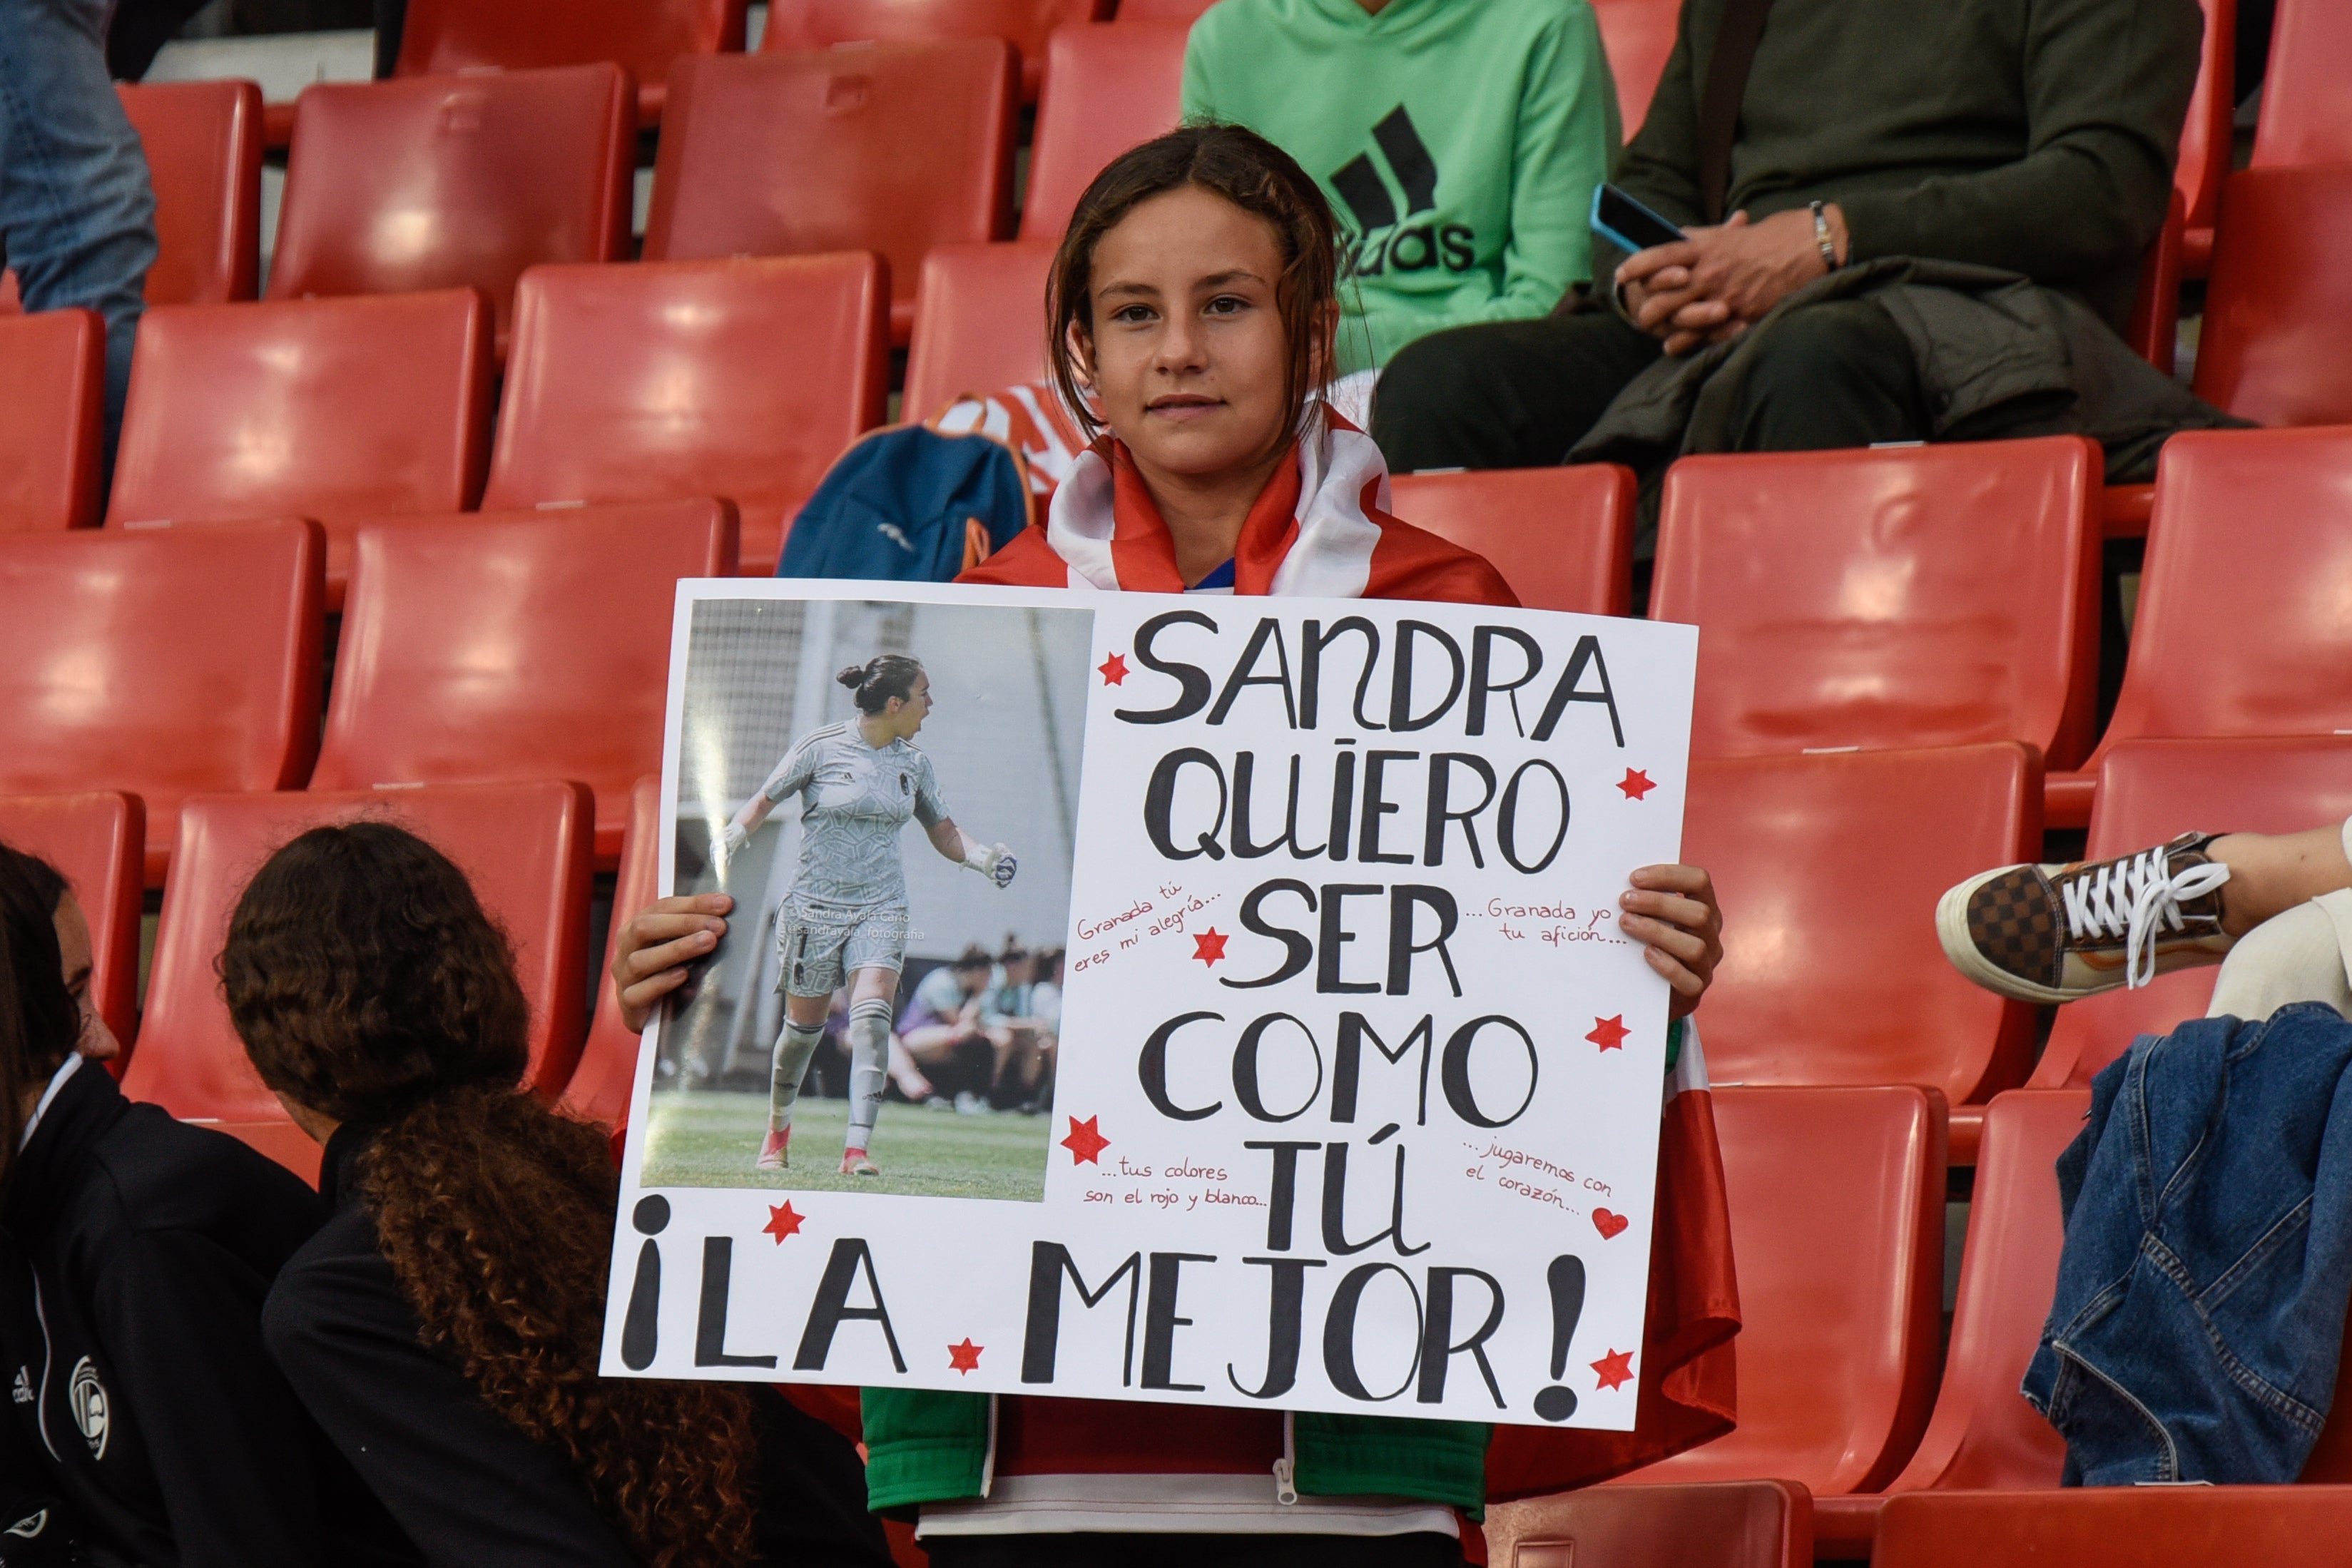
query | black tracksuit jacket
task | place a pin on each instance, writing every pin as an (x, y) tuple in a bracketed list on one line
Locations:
[(470, 1488), (135, 1253)]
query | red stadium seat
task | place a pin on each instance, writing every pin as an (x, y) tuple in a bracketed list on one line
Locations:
[(1640, 38), (2277, 341), (607, 1074), (1737, 1524), (1917, 596), (334, 409), (163, 663), (2280, 668), (894, 148), (450, 181), (1837, 1218), (2119, 1527), (1114, 87), (537, 644), (2151, 791), (743, 379), (2154, 328), (979, 322), (1982, 1434), (642, 36), (52, 386), (204, 152), (523, 845), (1562, 538), (98, 842), (1835, 864), (2304, 118), (2207, 139), (1023, 24)]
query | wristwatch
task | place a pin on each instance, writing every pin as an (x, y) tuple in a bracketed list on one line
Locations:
[(1821, 236)]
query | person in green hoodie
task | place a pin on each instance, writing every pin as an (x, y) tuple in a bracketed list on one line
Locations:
[(1458, 143)]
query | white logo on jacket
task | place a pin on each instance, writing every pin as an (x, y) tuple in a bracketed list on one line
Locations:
[(29, 1528), (23, 1390), (87, 1396)]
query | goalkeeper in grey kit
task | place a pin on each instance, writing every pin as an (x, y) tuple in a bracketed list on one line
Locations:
[(845, 916)]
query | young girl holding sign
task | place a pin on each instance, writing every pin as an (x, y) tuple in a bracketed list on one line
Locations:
[(1192, 308)]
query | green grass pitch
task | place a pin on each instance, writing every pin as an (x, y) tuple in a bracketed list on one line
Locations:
[(702, 1138)]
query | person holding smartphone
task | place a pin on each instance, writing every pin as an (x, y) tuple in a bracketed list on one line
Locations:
[(1848, 159)]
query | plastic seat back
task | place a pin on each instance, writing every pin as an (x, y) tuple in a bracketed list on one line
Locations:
[(530, 645), (1562, 538), (607, 1074), (1114, 86), (203, 140), (1735, 1524), (2118, 1527), (2277, 343), (2304, 118), (1835, 864), (642, 36), (445, 181), (52, 391), (979, 322), (2153, 791), (98, 843), (1933, 595), (2206, 138), (332, 409), (894, 148), (1024, 24), (161, 663), (741, 378), (524, 846), (1983, 1433), (2282, 590), (1837, 1219), (1640, 38)]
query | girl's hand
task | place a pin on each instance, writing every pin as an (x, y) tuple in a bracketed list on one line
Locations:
[(651, 954), (1672, 909)]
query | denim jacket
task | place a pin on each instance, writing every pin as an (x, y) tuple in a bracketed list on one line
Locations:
[(2202, 1290)]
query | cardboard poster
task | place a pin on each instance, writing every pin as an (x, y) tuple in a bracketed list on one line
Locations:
[(1316, 1075)]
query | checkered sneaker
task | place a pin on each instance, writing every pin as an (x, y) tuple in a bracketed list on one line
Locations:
[(2052, 933)]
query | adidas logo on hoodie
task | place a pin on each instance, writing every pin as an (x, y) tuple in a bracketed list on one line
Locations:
[(1383, 241)]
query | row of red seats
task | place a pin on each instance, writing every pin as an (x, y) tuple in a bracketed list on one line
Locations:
[(1847, 600)]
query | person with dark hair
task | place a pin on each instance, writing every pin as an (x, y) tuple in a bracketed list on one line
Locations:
[(443, 1324), (149, 1425), (845, 917), (942, 1021), (1191, 308)]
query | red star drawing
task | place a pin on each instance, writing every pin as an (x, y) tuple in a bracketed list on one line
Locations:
[(782, 1221), (964, 1357), (1113, 669), (1616, 1367), (1636, 783), (1610, 1033), (1209, 946), (1086, 1141)]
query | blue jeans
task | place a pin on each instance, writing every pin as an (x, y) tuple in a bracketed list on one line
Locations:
[(77, 213)]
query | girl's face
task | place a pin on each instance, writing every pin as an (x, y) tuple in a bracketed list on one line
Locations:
[(1187, 351), (905, 714)]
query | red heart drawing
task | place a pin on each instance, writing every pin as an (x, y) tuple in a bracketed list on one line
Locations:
[(1608, 1224)]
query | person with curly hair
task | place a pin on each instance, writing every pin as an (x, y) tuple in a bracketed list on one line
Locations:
[(843, 920), (443, 1326), (147, 1424)]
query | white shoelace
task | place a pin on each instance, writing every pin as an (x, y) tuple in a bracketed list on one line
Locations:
[(2137, 899)]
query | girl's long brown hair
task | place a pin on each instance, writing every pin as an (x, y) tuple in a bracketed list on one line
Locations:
[(39, 1019), (368, 984), (1255, 175)]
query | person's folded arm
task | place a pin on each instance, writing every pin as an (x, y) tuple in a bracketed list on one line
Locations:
[(2106, 85)]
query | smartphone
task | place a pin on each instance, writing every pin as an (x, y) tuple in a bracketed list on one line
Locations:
[(1626, 223)]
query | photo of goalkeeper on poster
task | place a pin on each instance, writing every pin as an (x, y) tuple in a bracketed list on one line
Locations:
[(888, 791)]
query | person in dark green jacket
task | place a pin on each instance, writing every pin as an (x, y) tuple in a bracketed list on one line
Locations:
[(2034, 137)]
